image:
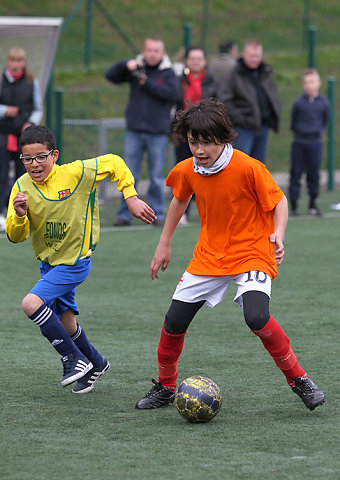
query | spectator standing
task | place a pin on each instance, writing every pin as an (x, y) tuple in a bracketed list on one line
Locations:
[(221, 66), (309, 118), (20, 106), (196, 83), (153, 91), (252, 100)]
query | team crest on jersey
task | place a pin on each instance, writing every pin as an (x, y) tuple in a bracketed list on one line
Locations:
[(64, 193)]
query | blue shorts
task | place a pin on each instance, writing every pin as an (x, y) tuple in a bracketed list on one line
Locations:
[(57, 285)]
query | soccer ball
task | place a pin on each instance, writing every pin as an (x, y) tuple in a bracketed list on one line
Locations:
[(198, 399)]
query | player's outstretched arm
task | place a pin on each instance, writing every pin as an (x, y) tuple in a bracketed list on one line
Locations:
[(280, 222), (162, 254), (140, 209)]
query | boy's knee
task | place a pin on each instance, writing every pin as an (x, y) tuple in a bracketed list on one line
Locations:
[(172, 324), (256, 320), (180, 315), (31, 303), (256, 309)]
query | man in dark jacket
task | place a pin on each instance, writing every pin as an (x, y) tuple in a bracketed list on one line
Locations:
[(252, 99), (153, 91)]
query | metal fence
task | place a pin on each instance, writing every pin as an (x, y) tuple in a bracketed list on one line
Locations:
[(106, 135)]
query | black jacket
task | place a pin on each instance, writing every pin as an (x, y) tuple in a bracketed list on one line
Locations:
[(309, 118), (243, 93), (18, 93), (149, 105)]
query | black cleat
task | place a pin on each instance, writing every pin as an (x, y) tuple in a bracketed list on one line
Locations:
[(157, 397), (309, 393), (86, 383)]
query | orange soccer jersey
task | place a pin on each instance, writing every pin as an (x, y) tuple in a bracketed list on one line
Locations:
[(236, 211)]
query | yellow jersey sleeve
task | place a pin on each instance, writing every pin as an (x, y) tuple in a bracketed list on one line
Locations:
[(114, 167)]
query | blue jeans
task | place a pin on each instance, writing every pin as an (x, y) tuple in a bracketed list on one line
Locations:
[(252, 142), (134, 146)]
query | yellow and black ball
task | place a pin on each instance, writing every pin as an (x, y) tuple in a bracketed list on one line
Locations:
[(198, 399)]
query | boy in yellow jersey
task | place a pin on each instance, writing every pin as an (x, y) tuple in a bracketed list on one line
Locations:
[(57, 206)]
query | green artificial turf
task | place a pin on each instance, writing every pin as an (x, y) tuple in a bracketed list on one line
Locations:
[(263, 430)]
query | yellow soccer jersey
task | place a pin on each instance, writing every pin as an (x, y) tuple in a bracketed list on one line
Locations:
[(62, 204)]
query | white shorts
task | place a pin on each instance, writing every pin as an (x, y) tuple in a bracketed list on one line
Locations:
[(195, 288)]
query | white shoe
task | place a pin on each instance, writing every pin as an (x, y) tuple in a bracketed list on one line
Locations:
[(184, 220), (2, 223)]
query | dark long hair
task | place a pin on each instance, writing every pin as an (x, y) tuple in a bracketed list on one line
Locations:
[(206, 120)]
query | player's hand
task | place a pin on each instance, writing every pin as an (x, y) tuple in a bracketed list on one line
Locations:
[(279, 248), (140, 209), (20, 204), (12, 111), (161, 260)]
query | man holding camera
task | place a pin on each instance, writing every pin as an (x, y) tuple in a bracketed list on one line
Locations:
[(153, 90)]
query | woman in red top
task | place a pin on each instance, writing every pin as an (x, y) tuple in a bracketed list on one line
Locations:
[(196, 83), (243, 219)]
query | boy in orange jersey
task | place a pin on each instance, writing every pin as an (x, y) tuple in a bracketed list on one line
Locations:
[(243, 219)]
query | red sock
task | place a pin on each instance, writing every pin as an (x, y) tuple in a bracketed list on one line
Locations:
[(169, 349), (277, 343)]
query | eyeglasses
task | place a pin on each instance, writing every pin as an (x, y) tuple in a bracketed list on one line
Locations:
[(41, 158)]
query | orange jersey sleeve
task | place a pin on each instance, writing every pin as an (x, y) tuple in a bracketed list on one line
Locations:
[(236, 212)]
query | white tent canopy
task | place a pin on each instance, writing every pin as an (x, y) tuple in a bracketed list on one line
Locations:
[(38, 36)]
